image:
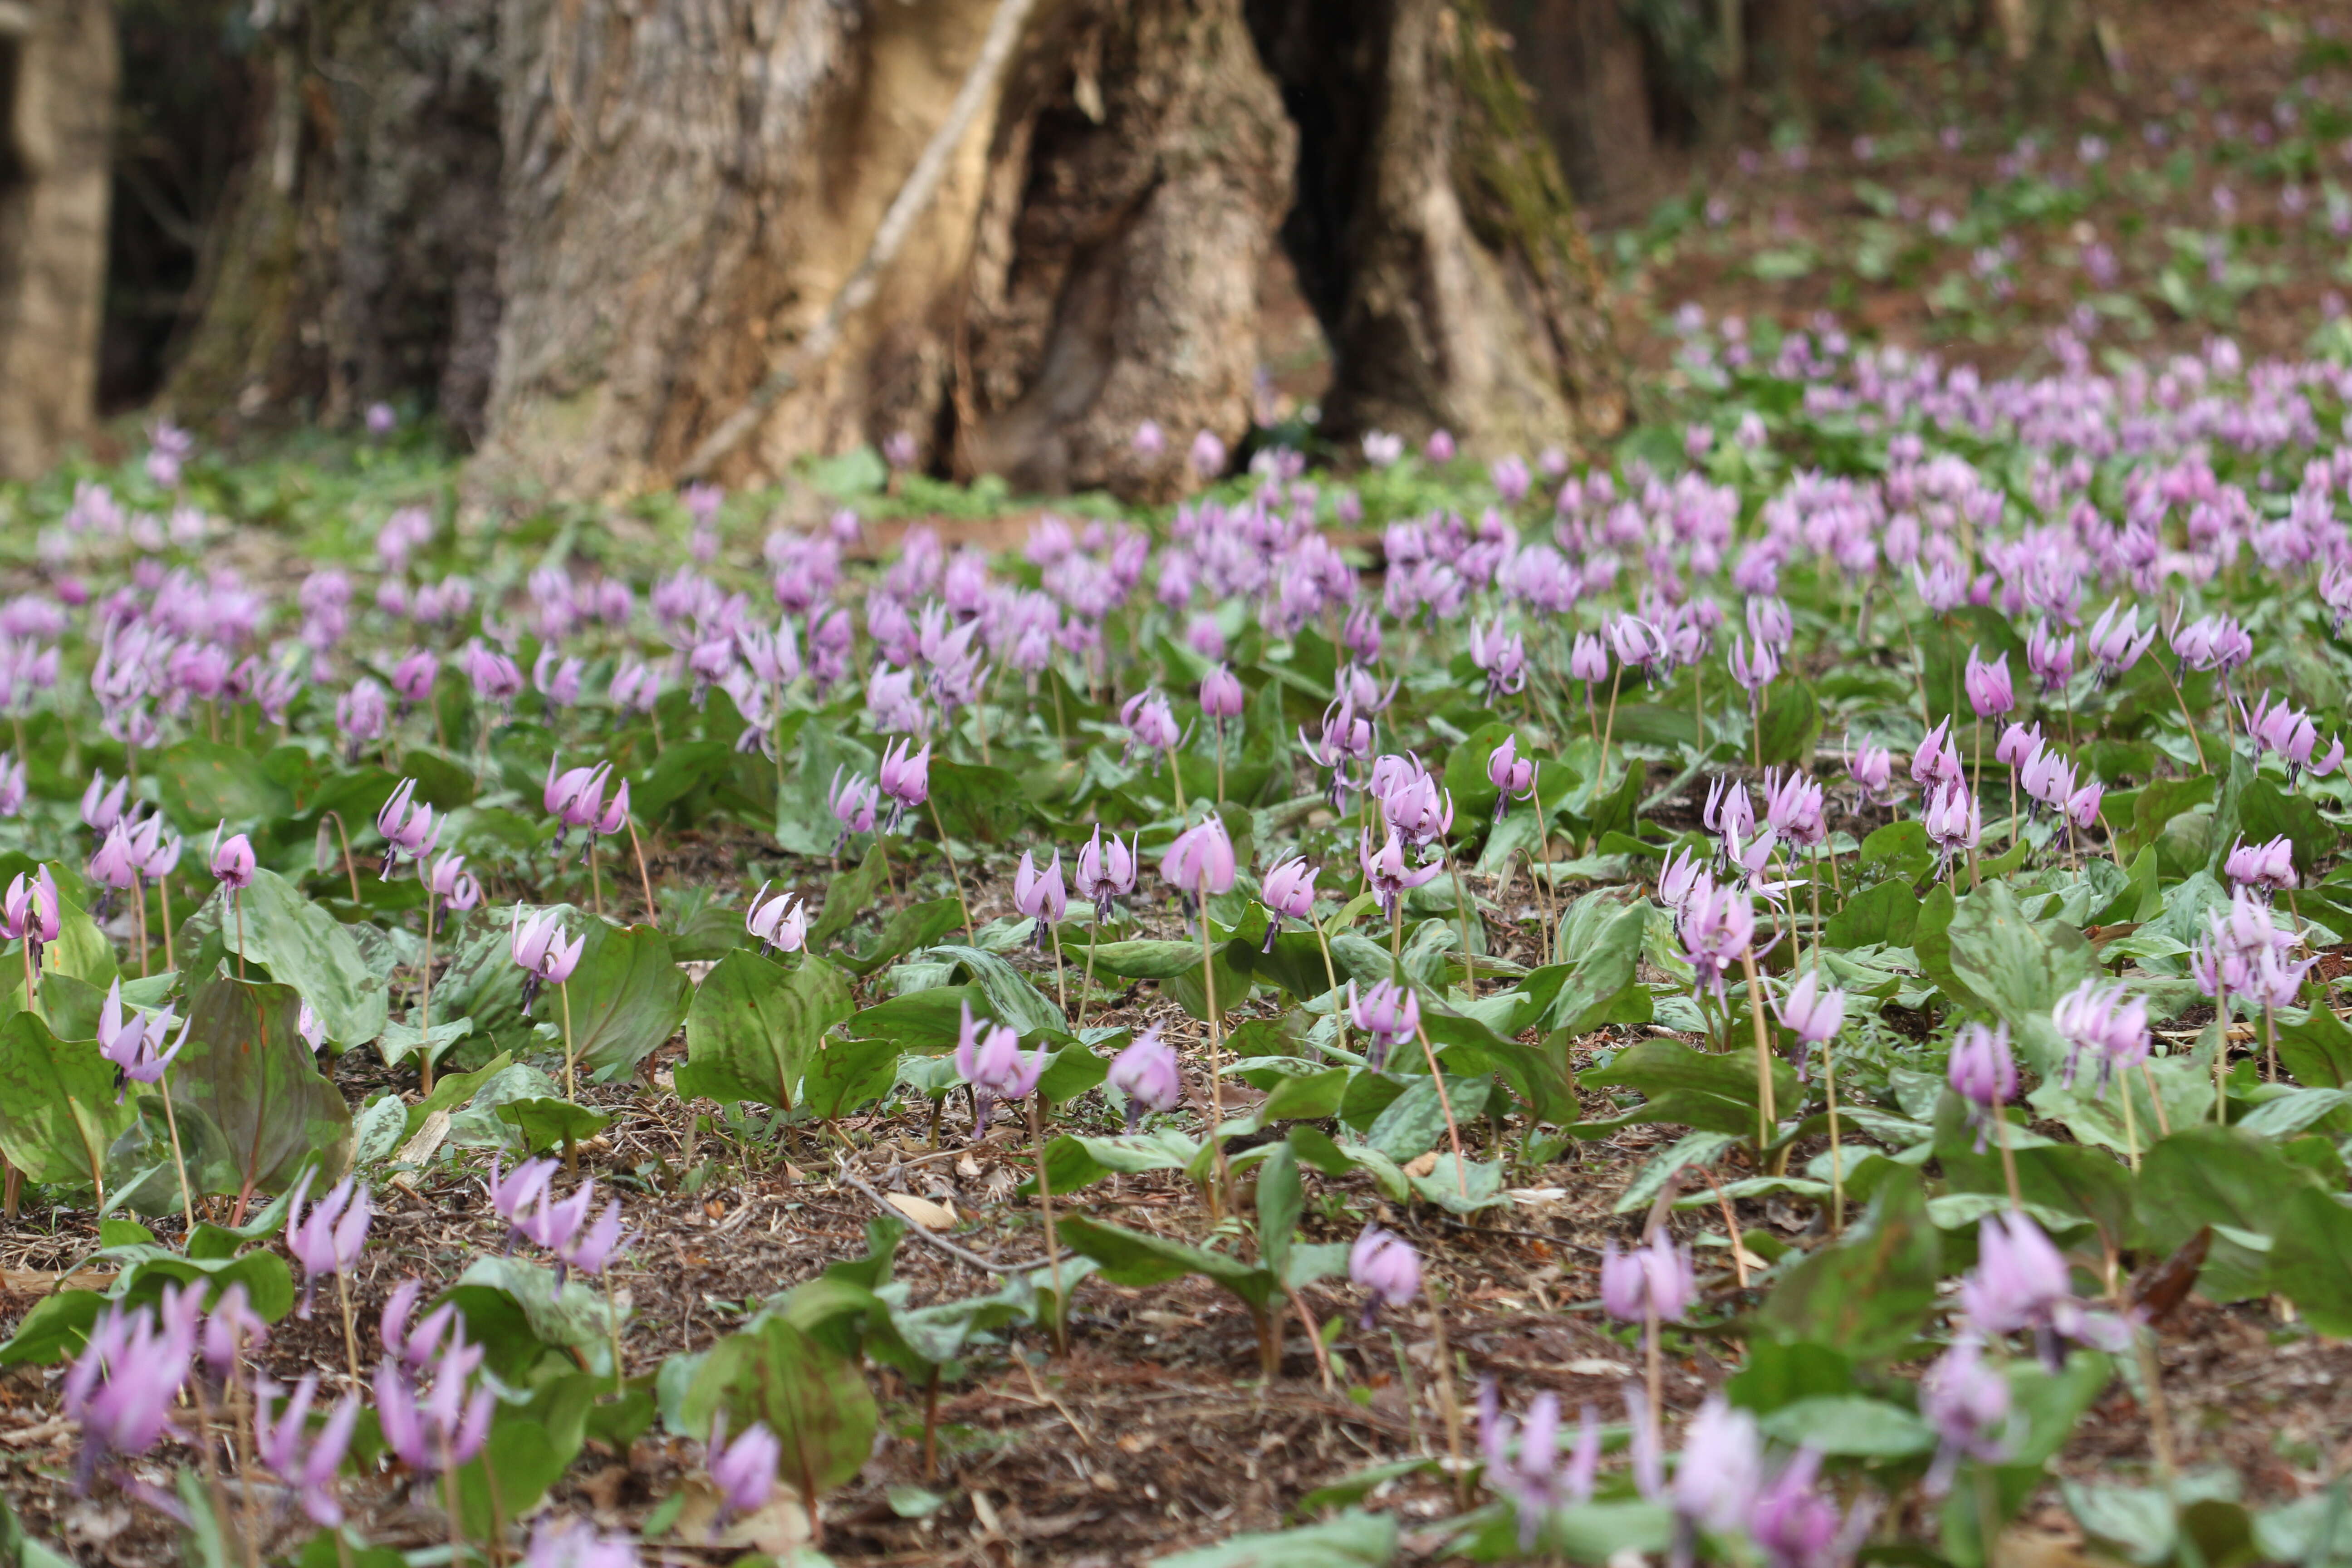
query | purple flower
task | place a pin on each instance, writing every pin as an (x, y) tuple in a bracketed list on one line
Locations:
[(990, 1060), (2267, 866), (102, 807), (136, 1044), (1287, 889), (2116, 645), (1222, 696), (1587, 660), (413, 678), (1208, 454), (1149, 1074), (589, 1248), (495, 676), (2103, 1020), (1389, 1013), (1041, 895), (541, 953), (1655, 1277), (1386, 873), (448, 879), (780, 923), (1502, 655), (1722, 1468), (1201, 861), (1149, 441), (1386, 1269), (122, 1386), (115, 864), (442, 1429), (1106, 871), (1810, 1011), (852, 802), (744, 1470), (905, 779), (329, 1238), (1953, 820), (1968, 1404), (1533, 1478), (1982, 1072), (576, 796), (1752, 675), (1513, 777), (233, 864), (1439, 448), (1791, 1523), (1718, 929), (2020, 1281), (407, 824), (362, 714), (1988, 684), (512, 1196), (574, 1543), (1936, 762), (29, 911), (2019, 743), (305, 1459), (417, 1346), (1873, 770)]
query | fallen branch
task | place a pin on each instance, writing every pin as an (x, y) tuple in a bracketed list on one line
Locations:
[(942, 1243)]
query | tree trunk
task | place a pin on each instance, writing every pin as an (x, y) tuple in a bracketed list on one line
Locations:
[(1435, 233), (683, 190), (57, 100), (1584, 64), (359, 257)]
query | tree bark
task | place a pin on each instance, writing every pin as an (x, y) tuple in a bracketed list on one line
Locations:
[(1435, 233), (56, 98), (682, 191), (1584, 64), (357, 259)]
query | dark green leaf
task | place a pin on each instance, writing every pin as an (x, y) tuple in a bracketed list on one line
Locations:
[(57, 1109), (816, 1403), (626, 997), (754, 1026), (1869, 1292), (246, 1067)]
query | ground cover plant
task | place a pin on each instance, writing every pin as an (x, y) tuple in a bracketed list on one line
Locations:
[(1720, 1004)]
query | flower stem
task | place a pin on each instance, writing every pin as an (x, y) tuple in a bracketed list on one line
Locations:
[(1445, 1104), (571, 1065), (172, 1123), (1221, 1196), (954, 875), (1053, 1239), (351, 1336), (424, 1004), (1766, 1117)]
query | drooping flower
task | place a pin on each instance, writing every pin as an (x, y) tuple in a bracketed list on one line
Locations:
[(1389, 1014), (744, 1470), (327, 1240), (1512, 776), (305, 1459), (1147, 1074), (990, 1060), (1531, 1475), (1988, 684), (135, 1043), (1982, 1073), (781, 923), (1106, 871), (1287, 889), (233, 864), (1386, 1269), (1200, 862), (1655, 1277), (1041, 895)]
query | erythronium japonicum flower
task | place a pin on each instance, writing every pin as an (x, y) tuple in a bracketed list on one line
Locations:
[(328, 1240), (1388, 1014), (1652, 1285), (134, 1043), (1041, 896), (1287, 889), (990, 1060), (1386, 1269), (781, 923), (123, 1386), (2022, 1282), (1815, 1013), (545, 958), (1222, 699), (1532, 1474), (306, 1460), (744, 1470), (1147, 1074), (1512, 776)]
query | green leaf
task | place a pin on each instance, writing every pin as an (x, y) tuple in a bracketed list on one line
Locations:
[(845, 1075), (2264, 814), (1280, 1200), (1012, 1000), (57, 1109), (755, 1027), (2227, 1178), (848, 895), (1869, 1292), (574, 1318), (1603, 941), (55, 1330), (627, 997), (531, 1445), (203, 783), (1791, 724), (245, 1067), (1851, 1425), (977, 804), (1135, 1258), (303, 946), (547, 1123), (2310, 1262), (1354, 1539), (2019, 967), (815, 1403), (908, 929), (1884, 912), (1702, 1090), (2316, 1047)]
